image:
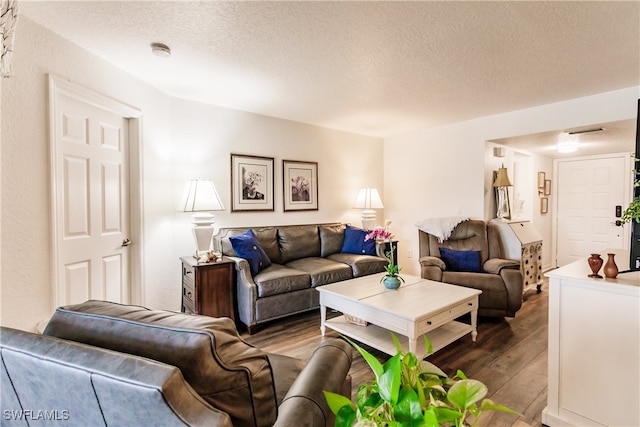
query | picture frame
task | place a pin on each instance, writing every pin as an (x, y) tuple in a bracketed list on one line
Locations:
[(300, 185), (251, 183), (541, 180), (544, 205), (547, 187)]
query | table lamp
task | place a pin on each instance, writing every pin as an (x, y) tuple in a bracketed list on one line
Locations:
[(368, 199), (200, 196)]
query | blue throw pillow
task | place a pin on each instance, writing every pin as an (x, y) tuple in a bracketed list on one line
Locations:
[(354, 242), (461, 260), (246, 246)]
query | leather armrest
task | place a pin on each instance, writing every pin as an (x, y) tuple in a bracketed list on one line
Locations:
[(242, 268), (427, 261), (494, 265), (246, 291), (327, 369)]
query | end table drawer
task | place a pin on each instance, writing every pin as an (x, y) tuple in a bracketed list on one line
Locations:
[(448, 315), (188, 293), (188, 275)]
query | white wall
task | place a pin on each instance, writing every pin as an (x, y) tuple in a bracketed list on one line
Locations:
[(181, 140), (440, 171), (205, 136)]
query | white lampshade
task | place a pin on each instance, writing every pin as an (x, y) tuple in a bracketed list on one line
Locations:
[(368, 199), (201, 196)]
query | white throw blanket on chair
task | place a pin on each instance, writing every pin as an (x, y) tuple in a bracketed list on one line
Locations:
[(441, 228)]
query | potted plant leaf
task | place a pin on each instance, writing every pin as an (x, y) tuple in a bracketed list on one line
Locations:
[(413, 393), (632, 212)]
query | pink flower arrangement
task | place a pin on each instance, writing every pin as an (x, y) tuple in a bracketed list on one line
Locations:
[(379, 234)]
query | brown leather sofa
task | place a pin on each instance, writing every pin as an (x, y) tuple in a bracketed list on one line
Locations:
[(500, 280), (302, 258), (101, 363)]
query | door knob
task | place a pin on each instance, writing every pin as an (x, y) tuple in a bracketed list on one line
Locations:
[(126, 242)]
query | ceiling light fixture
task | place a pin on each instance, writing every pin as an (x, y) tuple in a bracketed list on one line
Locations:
[(567, 143), (161, 50)]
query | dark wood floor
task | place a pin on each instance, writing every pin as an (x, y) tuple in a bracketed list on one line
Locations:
[(509, 356)]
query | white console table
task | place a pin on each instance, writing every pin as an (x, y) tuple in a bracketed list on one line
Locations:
[(594, 347)]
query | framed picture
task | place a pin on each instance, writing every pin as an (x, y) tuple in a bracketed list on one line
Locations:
[(540, 180), (544, 205), (251, 183), (300, 185), (547, 187)]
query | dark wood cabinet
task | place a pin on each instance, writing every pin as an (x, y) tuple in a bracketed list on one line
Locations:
[(208, 288)]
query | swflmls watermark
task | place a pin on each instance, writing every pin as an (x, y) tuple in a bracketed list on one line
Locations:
[(36, 415)]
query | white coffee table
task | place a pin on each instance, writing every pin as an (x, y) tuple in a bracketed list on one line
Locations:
[(417, 308)]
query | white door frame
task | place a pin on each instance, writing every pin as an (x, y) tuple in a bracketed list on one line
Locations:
[(627, 193), (60, 86)]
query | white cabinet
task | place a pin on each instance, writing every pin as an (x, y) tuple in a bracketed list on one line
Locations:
[(594, 347), (522, 242)]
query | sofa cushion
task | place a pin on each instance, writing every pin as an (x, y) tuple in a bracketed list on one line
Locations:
[(246, 246), (354, 242), (461, 260), (228, 373), (278, 279), (467, 236), (322, 270), (331, 239), (267, 237), (298, 241), (361, 265)]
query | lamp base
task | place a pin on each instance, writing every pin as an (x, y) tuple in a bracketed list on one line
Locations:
[(202, 232), (368, 219)]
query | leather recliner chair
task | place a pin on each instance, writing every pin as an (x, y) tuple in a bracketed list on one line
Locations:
[(500, 280), (113, 364)]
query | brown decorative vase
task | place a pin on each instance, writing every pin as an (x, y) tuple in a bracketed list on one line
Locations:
[(610, 268), (595, 262)]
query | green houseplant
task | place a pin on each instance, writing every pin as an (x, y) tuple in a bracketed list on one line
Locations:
[(413, 393), (632, 212), (392, 279)]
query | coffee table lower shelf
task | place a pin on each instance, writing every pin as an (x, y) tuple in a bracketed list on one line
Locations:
[(380, 338)]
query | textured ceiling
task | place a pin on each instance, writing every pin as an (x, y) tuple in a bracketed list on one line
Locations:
[(374, 68)]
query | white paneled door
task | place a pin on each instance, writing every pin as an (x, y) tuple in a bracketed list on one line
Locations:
[(90, 172), (588, 192)]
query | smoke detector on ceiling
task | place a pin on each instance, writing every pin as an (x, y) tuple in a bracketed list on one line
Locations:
[(161, 50)]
